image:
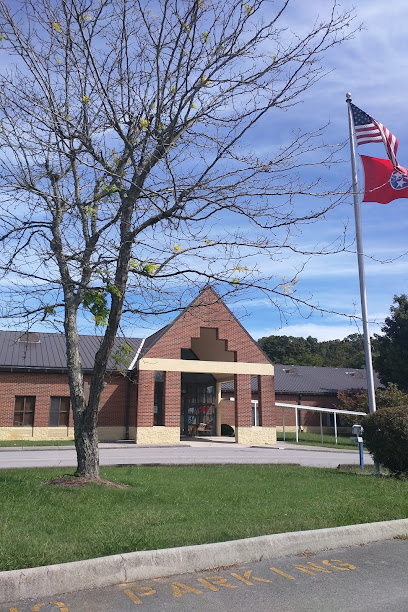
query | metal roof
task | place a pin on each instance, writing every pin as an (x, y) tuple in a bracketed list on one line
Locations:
[(40, 350), (314, 380)]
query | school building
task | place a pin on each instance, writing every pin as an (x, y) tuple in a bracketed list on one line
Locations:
[(199, 372)]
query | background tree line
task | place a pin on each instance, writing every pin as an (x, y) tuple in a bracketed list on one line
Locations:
[(389, 350), (346, 353)]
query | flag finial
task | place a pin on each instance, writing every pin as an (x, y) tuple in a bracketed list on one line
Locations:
[(348, 96)]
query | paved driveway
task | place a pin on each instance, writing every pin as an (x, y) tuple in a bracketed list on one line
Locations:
[(188, 453)]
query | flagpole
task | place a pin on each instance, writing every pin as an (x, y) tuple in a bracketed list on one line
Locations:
[(360, 259)]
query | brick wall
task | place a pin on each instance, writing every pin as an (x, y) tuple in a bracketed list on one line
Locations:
[(45, 385), (266, 399), (112, 409), (172, 399), (243, 407), (145, 399), (42, 386), (207, 312), (228, 412)]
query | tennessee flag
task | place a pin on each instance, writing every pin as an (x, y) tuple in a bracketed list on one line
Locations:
[(382, 182)]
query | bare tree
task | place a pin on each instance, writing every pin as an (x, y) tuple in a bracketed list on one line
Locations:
[(125, 168)]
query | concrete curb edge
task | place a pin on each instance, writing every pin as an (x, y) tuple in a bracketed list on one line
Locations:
[(39, 582)]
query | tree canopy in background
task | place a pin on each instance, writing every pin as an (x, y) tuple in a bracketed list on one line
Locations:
[(388, 397), (346, 353)]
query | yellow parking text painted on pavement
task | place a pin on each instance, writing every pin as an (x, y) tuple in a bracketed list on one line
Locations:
[(137, 594), (247, 576), (60, 605), (314, 567), (347, 566), (213, 582), (311, 568), (180, 589), (284, 574), (141, 591)]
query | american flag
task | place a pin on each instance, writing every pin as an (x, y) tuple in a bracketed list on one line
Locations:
[(368, 129)]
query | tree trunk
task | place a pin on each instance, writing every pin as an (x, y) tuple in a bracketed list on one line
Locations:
[(86, 444), (85, 419)]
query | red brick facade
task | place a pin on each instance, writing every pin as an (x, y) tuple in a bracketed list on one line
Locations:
[(208, 312), (172, 399), (43, 386), (127, 404), (145, 398)]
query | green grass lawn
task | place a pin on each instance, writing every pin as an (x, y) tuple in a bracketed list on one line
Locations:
[(178, 506), (314, 439)]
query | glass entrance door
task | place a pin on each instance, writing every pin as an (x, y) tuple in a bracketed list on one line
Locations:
[(197, 406)]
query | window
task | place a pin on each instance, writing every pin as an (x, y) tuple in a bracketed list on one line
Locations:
[(59, 412), (158, 398), (24, 406)]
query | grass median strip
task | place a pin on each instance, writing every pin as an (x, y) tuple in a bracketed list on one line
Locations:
[(164, 507)]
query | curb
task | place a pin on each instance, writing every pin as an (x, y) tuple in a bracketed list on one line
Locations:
[(130, 567)]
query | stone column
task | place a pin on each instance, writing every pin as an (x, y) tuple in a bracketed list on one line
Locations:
[(244, 432), (243, 408)]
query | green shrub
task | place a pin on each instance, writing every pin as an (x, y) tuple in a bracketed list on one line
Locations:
[(227, 430), (386, 437)]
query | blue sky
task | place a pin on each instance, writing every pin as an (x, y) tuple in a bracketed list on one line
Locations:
[(372, 67)]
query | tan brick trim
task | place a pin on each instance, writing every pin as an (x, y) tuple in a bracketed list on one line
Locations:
[(205, 367)]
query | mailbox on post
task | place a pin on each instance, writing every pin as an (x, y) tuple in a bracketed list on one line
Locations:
[(357, 431)]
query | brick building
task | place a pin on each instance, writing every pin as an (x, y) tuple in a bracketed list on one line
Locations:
[(309, 386), (179, 381), (173, 384)]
